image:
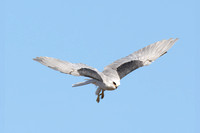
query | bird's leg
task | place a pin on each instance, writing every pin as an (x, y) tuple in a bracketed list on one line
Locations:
[(98, 99), (102, 94)]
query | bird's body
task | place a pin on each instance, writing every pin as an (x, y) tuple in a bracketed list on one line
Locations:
[(110, 78)]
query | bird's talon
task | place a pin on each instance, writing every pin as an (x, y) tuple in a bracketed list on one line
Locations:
[(102, 95), (98, 99)]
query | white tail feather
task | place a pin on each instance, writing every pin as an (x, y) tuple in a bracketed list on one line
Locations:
[(84, 83)]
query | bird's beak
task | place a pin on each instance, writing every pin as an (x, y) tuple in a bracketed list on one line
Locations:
[(116, 86)]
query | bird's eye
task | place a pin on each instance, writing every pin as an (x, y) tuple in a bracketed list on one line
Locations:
[(114, 83)]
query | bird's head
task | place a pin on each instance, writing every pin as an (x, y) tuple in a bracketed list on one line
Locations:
[(111, 83)]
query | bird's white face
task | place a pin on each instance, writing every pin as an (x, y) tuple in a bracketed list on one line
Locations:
[(112, 85)]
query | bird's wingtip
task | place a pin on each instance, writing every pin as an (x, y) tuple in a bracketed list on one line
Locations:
[(176, 39), (36, 58)]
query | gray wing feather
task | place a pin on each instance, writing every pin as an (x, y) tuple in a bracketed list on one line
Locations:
[(142, 57), (90, 73), (128, 67), (76, 69)]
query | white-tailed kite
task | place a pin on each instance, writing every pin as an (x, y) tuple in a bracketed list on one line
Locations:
[(110, 78)]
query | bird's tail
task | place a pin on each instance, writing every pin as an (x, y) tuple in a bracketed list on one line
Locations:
[(88, 81)]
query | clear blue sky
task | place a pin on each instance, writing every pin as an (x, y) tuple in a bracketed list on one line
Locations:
[(160, 98)]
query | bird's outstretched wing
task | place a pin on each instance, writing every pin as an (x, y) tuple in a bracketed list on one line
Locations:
[(142, 57), (76, 69)]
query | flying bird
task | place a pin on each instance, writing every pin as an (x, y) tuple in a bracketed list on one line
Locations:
[(110, 78)]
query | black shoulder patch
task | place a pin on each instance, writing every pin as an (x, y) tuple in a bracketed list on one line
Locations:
[(89, 73), (128, 67)]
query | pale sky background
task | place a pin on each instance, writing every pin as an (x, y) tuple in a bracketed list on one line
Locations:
[(160, 98)]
